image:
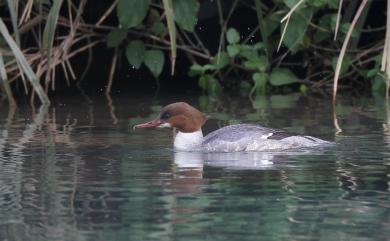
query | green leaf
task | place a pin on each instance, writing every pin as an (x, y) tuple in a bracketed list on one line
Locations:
[(154, 60), (345, 27), (51, 23), (282, 76), (260, 80), (248, 51), (258, 63), (232, 36), (272, 22), (379, 84), (233, 50), (344, 66), (135, 53), (296, 28), (131, 12), (210, 84), (158, 28), (221, 60), (372, 72), (333, 4), (115, 37), (186, 13), (197, 69), (203, 82)]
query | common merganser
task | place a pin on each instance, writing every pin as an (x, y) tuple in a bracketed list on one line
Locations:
[(188, 122)]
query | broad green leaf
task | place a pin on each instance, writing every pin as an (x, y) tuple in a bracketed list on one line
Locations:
[(154, 60), (233, 50), (248, 51), (186, 13), (232, 36), (282, 76), (259, 45), (135, 53), (221, 60), (258, 63), (197, 69), (344, 66), (115, 37), (296, 28), (132, 12), (326, 31)]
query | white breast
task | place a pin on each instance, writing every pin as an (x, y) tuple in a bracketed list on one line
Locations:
[(188, 141)]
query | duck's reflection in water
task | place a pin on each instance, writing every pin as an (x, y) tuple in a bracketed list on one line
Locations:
[(231, 160)]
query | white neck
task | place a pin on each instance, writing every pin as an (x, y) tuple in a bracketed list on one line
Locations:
[(188, 141)]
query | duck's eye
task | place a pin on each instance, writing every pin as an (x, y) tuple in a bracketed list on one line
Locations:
[(165, 116)]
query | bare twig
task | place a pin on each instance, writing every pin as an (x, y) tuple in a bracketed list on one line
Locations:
[(112, 72), (338, 19), (108, 12), (287, 19), (385, 65), (344, 48)]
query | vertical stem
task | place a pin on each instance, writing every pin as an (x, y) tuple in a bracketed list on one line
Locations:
[(112, 72), (338, 19), (168, 7), (4, 81), (14, 18), (388, 49), (263, 33)]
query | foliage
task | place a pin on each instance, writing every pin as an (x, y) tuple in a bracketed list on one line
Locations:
[(149, 31)]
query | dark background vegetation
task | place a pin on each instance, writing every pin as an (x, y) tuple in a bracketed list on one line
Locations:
[(360, 75)]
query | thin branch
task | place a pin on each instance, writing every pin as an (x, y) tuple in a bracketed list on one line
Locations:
[(344, 48), (338, 19)]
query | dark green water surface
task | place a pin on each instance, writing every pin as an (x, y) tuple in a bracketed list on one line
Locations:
[(76, 171)]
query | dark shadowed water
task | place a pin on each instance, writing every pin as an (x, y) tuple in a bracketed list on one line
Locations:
[(76, 171)]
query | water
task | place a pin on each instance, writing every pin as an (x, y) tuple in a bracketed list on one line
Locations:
[(76, 171)]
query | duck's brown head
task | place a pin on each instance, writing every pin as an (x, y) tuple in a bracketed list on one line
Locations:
[(179, 115)]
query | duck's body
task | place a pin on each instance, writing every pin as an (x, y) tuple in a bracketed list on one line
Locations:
[(250, 137), (242, 137)]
